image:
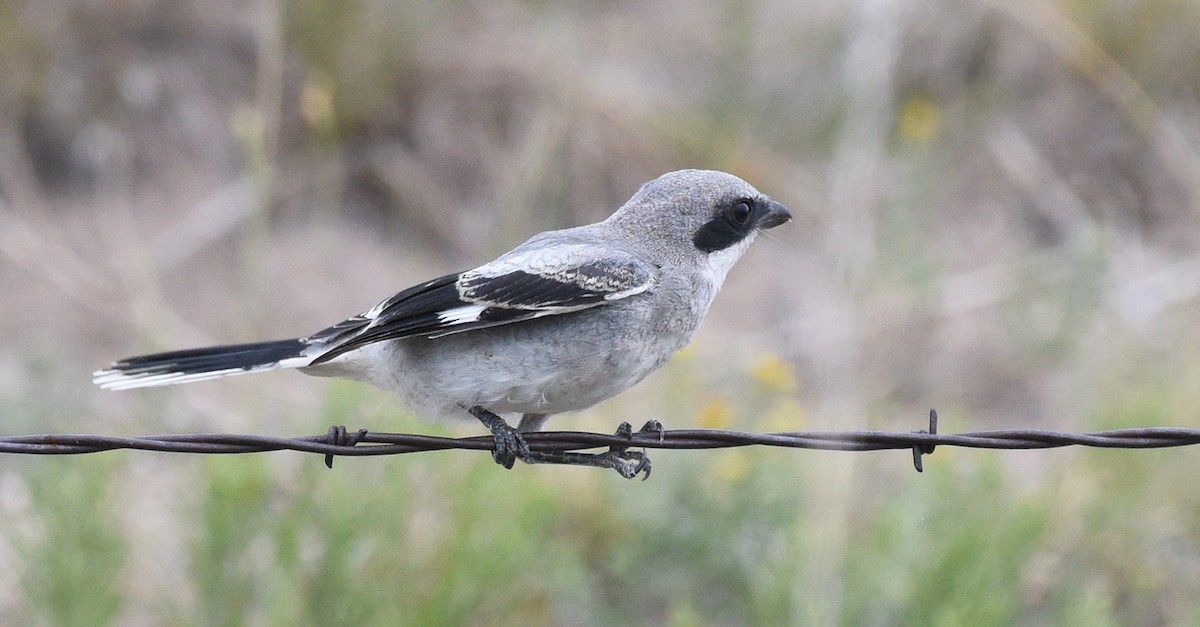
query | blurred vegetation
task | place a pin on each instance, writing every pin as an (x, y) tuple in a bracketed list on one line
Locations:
[(997, 214), (730, 537)]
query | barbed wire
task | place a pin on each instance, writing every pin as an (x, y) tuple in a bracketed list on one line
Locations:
[(341, 442)]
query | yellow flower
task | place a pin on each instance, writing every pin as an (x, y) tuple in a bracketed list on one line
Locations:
[(316, 104), (773, 373), (920, 119), (715, 414)]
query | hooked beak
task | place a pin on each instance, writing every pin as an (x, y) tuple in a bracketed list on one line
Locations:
[(776, 214)]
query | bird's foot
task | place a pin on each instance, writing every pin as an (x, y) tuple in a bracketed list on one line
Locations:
[(510, 444), (627, 463)]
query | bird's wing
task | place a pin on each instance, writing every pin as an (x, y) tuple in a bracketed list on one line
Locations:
[(520, 285)]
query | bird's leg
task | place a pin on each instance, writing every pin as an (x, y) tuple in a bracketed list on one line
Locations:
[(511, 446), (532, 422)]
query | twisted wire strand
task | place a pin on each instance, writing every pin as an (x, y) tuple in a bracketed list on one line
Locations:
[(340, 442)]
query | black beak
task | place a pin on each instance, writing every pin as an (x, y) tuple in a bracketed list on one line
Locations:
[(776, 214)]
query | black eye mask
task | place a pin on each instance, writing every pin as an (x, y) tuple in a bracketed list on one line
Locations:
[(731, 225)]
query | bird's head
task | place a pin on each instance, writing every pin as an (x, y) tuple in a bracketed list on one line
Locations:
[(699, 214)]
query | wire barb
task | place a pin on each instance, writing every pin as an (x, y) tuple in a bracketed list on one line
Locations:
[(925, 449), (338, 436)]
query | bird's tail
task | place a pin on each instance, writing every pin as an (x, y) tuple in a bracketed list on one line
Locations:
[(198, 364)]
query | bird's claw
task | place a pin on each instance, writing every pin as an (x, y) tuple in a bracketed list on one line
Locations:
[(629, 463), (651, 426), (510, 444), (654, 426)]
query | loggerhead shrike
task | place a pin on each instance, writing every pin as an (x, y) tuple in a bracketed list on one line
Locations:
[(561, 322)]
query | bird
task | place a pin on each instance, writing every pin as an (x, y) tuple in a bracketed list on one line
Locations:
[(563, 321)]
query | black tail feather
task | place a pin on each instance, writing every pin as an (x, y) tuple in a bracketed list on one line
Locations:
[(192, 364)]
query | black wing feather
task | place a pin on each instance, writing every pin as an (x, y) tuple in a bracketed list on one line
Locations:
[(568, 287), (415, 307), (522, 290), (504, 298)]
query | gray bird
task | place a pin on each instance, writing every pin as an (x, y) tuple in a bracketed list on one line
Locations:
[(561, 322)]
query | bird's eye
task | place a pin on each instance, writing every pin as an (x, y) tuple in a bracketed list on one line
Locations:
[(740, 212)]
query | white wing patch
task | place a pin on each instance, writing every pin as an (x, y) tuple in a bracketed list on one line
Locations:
[(461, 315), (637, 289)]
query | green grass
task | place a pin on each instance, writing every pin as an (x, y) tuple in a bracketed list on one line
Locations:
[(755, 536), (72, 543)]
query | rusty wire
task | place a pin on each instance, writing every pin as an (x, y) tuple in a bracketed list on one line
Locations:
[(340, 442)]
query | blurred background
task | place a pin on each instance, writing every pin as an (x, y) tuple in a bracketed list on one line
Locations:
[(997, 214)]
